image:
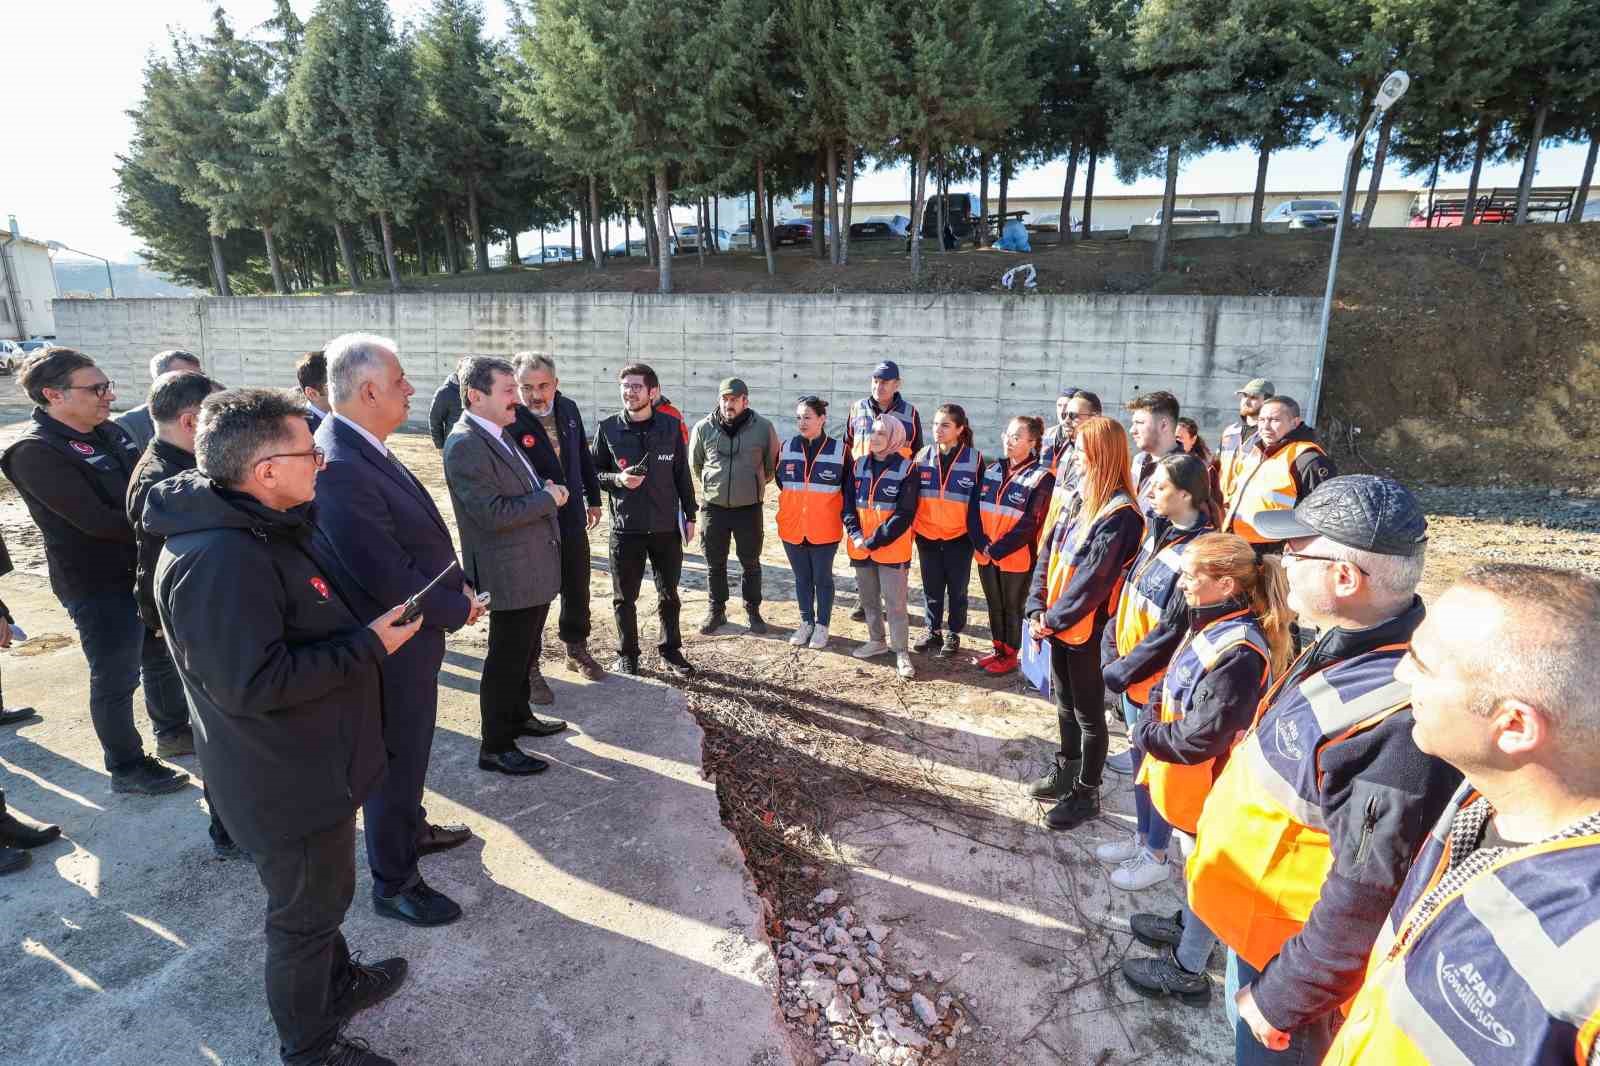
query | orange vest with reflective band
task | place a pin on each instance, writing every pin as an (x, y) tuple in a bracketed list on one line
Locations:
[(1264, 485), (942, 505), (1179, 791), (1066, 487), (1152, 582), (874, 502), (811, 495), (1502, 970), (862, 417), (1069, 548), (1261, 848), (1001, 505), (1237, 440)]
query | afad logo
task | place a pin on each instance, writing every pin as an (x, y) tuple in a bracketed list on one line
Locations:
[(1470, 998), (321, 586), (1287, 734), (827, 473), (965, 481), (81, 448)]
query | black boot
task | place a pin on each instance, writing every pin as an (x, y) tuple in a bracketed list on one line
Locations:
[(1162, 976), (932, 641), (1058, 781), (14, 834), (1075, 808)]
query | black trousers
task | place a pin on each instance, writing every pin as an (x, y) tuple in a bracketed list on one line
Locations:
[(572, 625), (1006, 593), (946, 570), (310, 883), (743, 525), (394, 816), (1080, 695), (629, 553), (515, 638)]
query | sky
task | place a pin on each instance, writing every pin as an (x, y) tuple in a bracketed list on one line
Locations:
[(74, 127)]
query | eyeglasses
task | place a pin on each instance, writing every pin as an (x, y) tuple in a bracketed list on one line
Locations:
[(1287, 554), (99, 390), (1074, 416), (318, 457)]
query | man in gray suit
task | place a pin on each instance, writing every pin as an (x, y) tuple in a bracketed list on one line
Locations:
[(137, 423), (511, 549)]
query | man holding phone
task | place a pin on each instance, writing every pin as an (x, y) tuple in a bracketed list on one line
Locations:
[(511, 548)]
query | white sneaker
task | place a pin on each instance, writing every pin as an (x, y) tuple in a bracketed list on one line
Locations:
[(1142, 871), (802, 635), (1118, 851), (903, 666), (819, 636), (870, 649)]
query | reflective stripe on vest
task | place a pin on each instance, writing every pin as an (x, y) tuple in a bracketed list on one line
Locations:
[(1178, 791), (1069, 548), (1230, 454), (862, 417), (1265, 485), (1152, 582), (1261, 851), (811, 495), (1503, 971), (1002, 502), (875, 501), (942, 505), (1066, 488)]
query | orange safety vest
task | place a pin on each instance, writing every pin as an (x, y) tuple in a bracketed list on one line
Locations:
[(1152, 582), (1264, 484), (1069, 549), (943, 503), (1236, 442), (1502, 970), (1262, 848), (1178, 790), (811, 494), (874, 502), (862, 416), (1002, 503)]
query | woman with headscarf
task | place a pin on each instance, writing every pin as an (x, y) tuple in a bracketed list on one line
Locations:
[(878, 517)]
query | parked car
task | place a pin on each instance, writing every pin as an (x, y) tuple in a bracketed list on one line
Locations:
[(1308, 214), (11, 354), (791, 231), (1186, 216), (31, 346), (689, 239), (1051, 223), (636, 246), (1591, 212), (742, 237), (961, 214), (880, 228), (1447, 215), (553, 253)]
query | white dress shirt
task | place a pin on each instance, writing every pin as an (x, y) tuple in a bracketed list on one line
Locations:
[(499, 434)]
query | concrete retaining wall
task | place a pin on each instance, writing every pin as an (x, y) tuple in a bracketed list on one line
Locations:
[(995, 355)]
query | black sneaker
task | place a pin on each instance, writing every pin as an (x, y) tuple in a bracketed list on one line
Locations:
[(675, 661), (932, 642), (1075, 808), (14, 834), (714, 620), (627, 665), (367, 986), (1158, 930), (13, 859), (18, 715), (753, 620), (952, 645), (149, 778), (227, 850), (859, 614), (1161, 976), (1056, 783), (176, 743), (353, 1051)]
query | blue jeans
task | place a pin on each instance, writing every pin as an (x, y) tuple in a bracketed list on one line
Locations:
[(813, 579), (1155, 830), (121, 651), (1308, 1044), (1194, 949)]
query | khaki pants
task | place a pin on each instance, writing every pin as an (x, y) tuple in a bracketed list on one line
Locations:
[(883, 592)]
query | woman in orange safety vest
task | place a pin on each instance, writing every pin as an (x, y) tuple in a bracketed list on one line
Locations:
[(813, 479), (950, 471), (1238, 622), (1076, 582), (1016, 490), (878, 515)]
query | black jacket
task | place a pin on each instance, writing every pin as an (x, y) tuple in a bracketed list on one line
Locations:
[(1222, 706), (657, 444), (76, 486), (1380, 795), (573, 469), (445, 412), (285, 695), (159, 462), (1155, 651), (902, 518)]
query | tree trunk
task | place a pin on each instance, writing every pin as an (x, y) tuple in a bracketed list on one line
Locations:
[(919, 186), (849, 201), (1169, 198), (1379, 154), (1352, 175), (572, 231), (594, 222), (911, 198), (1065, 233), (452, 254), (716, 222), (700, 223), (387, 226), (1469, 212), (819, 234), (627, 230), (1088, 191), (650, 247), (347, 253), (983, 195), (1005, 197), (219, 267), (942, 188), (1433, 181), (279, 285), (1530, 161), (764, 218), (583, 222), (513, 253), (541, 248), (1258, 202), (480, 240), (422, 250), (663, 227), (1582, 198), (833, 202)]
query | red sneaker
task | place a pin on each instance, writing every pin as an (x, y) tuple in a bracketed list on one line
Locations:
[(1004, 665), (994, 656)]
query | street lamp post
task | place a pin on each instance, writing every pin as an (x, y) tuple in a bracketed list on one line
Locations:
[(1392, 89), (57, 246)]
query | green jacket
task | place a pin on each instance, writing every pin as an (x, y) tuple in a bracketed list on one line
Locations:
[(733, 471)]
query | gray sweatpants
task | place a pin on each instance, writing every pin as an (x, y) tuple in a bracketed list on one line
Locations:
[(883, 590)]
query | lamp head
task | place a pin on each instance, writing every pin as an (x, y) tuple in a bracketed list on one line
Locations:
[(1392, 89)]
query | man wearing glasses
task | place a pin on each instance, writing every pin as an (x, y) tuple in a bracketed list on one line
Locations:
[(72, 467)]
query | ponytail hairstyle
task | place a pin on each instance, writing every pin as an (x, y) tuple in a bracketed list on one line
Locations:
[(1107, 469), (1201, 450), (818, 405), (1188, 474), (958, 415), (1261, 583), (1035, 427)]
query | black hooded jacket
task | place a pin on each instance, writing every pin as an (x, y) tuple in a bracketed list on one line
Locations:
[(282, 677)]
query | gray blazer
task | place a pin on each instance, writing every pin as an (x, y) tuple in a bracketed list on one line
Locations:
[(510, 539), (139, 425)]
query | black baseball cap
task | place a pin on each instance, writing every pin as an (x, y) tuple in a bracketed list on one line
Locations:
[(1375, 514)]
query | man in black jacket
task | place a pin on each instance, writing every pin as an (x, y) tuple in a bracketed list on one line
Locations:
[(286, 695), (643, 466), (72, 468), (446, 410), (549, 429)]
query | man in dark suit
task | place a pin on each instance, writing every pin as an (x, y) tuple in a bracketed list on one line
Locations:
[(549, 429), (311, 380), (393, 541), (511, 547)]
